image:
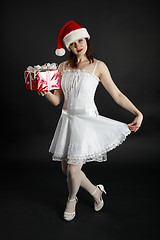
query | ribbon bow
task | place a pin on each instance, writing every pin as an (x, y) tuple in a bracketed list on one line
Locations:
[(46, 66)]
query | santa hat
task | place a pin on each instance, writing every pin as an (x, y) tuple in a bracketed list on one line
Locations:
[(69, 33)]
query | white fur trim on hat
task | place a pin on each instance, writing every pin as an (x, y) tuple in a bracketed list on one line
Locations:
[(60, 52), (75, 35)]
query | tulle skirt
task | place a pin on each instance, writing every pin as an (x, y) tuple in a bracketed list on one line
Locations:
[(83, 136)]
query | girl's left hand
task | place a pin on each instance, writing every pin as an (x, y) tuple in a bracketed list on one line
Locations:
[(135, 125)]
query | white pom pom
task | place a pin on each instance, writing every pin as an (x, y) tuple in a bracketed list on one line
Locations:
[(60, 52)]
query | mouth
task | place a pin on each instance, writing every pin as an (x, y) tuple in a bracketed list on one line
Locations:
[(79, 50)]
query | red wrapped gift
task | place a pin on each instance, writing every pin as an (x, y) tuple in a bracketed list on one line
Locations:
[(42, 78)]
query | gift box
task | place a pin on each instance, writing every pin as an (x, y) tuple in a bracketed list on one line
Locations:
[(42, 78)]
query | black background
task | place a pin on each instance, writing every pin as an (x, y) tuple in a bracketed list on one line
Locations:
[(125, 35)]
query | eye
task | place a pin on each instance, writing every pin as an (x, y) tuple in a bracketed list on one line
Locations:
[(71, 44), (80, 40)]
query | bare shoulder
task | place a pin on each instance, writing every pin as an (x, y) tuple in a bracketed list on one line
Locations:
[(101, 66), (60, 66)]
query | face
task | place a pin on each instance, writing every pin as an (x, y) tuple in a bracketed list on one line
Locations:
[(79, 47)]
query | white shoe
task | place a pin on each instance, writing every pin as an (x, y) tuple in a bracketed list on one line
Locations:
[(99, 206), (69, 216)]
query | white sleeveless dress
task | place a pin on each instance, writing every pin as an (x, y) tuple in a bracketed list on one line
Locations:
[(82, 135)]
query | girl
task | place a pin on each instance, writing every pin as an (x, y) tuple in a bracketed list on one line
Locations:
[(82, 135)]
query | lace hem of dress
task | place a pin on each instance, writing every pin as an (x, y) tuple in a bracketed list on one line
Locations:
[(98, 157)]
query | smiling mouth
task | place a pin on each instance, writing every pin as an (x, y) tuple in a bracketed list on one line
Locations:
[(80, 50)]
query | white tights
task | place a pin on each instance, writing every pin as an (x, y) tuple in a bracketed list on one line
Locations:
[(75, 179)]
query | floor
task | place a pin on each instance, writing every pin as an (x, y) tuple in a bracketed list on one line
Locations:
[(33, 198)]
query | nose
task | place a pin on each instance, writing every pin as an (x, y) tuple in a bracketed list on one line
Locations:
[(76, 44)]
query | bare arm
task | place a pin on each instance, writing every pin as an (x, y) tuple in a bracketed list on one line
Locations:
[(118, 96), (56, 97)]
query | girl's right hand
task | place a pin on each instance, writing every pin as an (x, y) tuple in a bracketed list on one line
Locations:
[(42, 93)]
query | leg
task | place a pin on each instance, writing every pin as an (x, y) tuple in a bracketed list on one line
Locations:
[(85, 182), (73, 181), (64, 166), (88, 186)]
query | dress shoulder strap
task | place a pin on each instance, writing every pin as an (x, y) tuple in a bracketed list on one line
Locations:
[(64, 64), (95, 67)]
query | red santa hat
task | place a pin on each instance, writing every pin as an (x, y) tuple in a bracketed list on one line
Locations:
[(69, 33)]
